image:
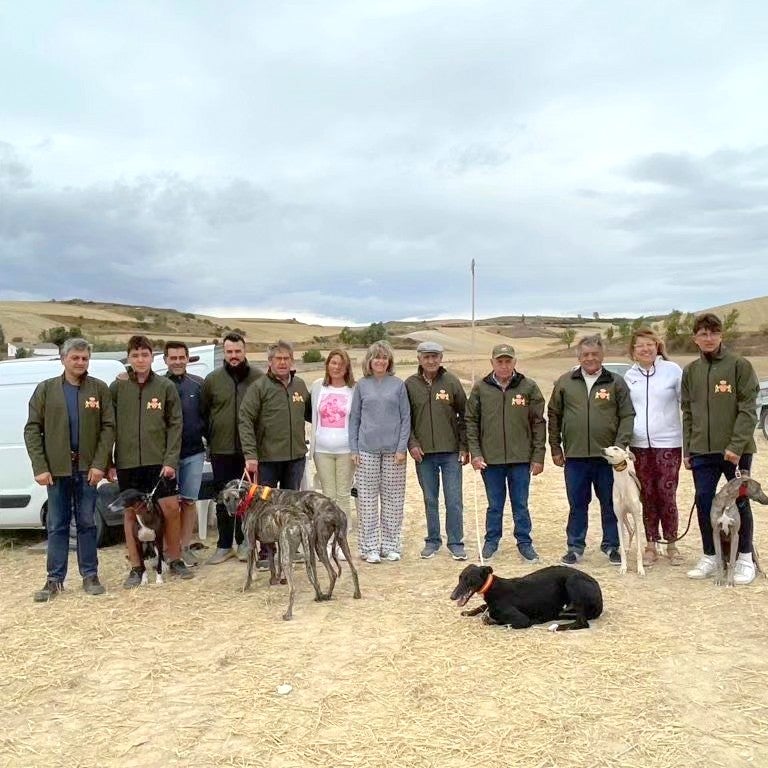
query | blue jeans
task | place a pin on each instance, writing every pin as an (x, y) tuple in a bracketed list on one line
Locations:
[(68, 496), (189, 476), (707, 470), (580, 476), (428, 471), (285, 474), (497, 477)]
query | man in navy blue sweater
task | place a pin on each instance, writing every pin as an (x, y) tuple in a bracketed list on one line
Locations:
[(192, 456)]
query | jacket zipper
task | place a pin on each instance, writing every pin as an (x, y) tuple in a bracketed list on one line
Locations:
[(709, 424), (140, 461), (290, 422), (431, 422), (589, 406)]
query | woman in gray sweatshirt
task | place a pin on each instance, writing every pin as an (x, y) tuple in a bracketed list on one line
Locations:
[(379, 425)]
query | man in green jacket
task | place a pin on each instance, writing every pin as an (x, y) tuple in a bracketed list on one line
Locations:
[(590, 409), (148, 428), (69, 435), (222, 396), (718, 394), (438, 445), (272, 419), (507, 440)]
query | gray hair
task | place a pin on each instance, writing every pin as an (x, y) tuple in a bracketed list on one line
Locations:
[(595, 340), (273, 349), (79, 344), (379, 349)]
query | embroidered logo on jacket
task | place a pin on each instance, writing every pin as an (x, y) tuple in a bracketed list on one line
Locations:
[(602, 394), (297, 397), (519, 399), (723, 386), (92, 402), (154, 405), (442, 395)]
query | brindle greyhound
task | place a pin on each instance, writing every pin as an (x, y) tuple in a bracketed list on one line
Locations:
[(726, 522), (329, 521)]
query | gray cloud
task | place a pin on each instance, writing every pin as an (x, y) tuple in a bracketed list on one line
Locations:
[(350, 159)]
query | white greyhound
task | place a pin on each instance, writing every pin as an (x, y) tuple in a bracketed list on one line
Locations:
[(626, 503)]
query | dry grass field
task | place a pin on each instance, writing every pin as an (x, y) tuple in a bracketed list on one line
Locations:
[(673, 674)]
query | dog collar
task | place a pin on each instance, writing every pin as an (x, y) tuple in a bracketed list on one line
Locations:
[(743, 491), (264, 492), (486, 586), (621, 466)]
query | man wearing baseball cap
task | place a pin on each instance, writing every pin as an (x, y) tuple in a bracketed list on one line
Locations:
[(506, 434), (438, 445)]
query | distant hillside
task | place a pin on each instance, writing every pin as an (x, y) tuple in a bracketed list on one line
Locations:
[(753, 313)]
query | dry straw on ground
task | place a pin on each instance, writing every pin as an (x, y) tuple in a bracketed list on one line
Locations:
[(673, 674)]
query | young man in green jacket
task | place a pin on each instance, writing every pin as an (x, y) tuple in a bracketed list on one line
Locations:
[(718, 394), (590, 409), (222, 396), (507, 436), (148, 428), (69, 435), (438, 445)]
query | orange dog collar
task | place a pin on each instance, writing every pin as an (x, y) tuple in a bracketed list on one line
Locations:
[(486, 586)]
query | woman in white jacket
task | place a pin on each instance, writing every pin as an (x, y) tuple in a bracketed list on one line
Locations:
[(657, 439), (331, 399)]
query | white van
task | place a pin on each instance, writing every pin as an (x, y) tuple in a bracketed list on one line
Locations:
[(22, 500)]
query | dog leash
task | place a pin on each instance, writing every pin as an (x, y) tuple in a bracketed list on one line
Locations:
[(687, 527)]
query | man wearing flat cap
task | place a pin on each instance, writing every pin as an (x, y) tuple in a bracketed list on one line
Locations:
[(507, 435), (438, 445)]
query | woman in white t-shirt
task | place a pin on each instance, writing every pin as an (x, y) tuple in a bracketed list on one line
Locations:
[(329, 443)]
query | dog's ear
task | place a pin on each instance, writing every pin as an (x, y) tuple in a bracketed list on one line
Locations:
[(631, 455)]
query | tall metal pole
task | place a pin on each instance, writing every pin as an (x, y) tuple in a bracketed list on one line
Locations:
[(472, 270)]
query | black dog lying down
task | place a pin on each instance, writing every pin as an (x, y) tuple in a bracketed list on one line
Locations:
[(556, 592)]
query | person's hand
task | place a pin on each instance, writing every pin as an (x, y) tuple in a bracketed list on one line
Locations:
[(687, 462), (112, 475), (95, 476), (558, 459), (463, 458), (536, 468), (732, 457), (356, 459), (44, 478), (168, 472), (400, 457), (252, 467), (478, 463), (416, 453)]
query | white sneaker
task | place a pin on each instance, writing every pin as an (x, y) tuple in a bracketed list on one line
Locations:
[(339, 553), (744, 569), (704, 568), (373, 557), (393, 557)]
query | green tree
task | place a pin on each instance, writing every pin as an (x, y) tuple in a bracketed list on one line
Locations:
[(729, 325), (595, 315), (567, 337), (23, 352), (2, 336), (609, 333), (312, 356)]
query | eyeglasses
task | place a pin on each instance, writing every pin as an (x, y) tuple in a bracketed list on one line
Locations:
[(650, 345), (706, 334)]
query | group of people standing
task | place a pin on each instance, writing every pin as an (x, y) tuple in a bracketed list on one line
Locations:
[(151, 433)]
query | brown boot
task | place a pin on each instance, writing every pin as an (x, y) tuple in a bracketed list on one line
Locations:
[(673, 553), (650, 556)]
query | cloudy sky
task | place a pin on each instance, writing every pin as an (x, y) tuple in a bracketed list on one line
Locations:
[(348, 160)]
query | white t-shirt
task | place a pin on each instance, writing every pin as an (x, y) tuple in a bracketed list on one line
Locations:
[(332, 431)]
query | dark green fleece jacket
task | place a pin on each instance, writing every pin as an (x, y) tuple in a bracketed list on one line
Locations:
[(46, 433), (437, 413), (272, 419), (506, 426), (148, 421), (718, 394), (581, 424)]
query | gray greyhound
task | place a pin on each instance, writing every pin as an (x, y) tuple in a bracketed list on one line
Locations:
[(726, 522), (329, 521)]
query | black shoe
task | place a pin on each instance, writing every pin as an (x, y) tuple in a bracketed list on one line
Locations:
[(570, 557), (179, 568), (489, 550), (49, 591), (92, 586), (614, 557), (134, 578)]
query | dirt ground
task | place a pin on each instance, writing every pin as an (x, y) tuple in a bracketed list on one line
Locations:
[(673, 674)]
